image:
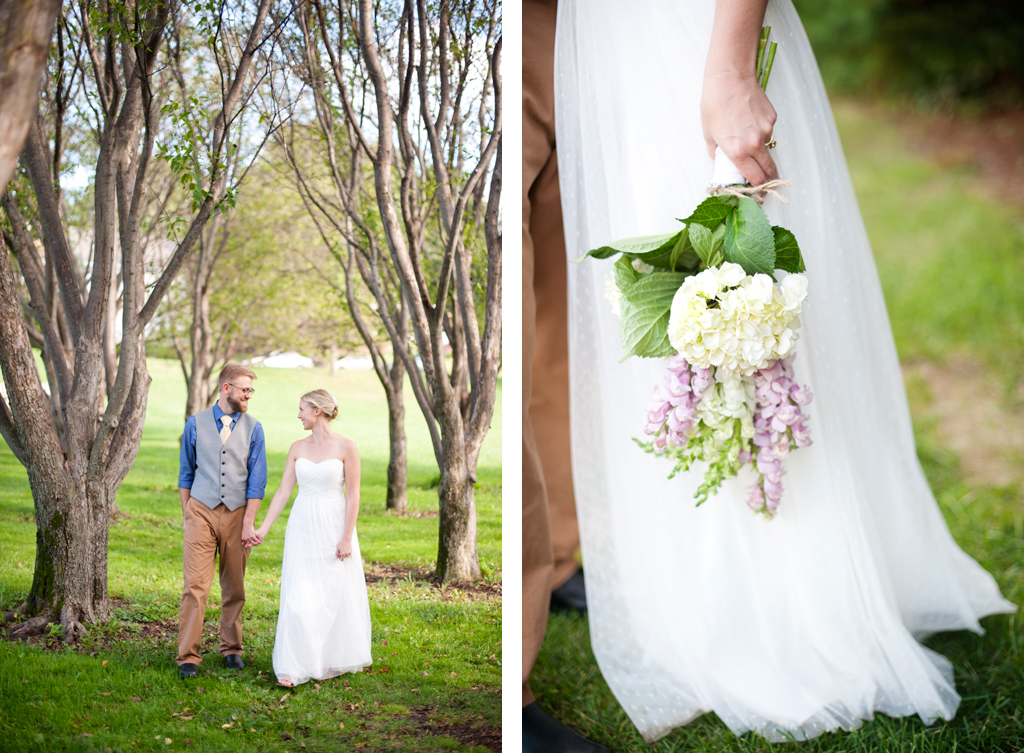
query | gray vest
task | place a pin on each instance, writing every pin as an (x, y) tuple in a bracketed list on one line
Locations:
[(222, 470)]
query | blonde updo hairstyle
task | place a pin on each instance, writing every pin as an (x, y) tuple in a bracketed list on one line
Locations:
[(323, 400)]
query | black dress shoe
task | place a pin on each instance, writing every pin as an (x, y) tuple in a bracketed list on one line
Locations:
[(234, 661), (542, 734), (571, 596), (187, 670)]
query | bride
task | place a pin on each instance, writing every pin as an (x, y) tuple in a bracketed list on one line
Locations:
[(811, 621), (323, 626)]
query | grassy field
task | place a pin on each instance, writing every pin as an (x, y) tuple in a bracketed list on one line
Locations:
[(952, 266), (436, 678)]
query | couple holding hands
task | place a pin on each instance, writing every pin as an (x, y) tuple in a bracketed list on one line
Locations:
[(323, 626)]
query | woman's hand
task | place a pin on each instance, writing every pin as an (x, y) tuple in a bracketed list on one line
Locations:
[(344, 549), (737, 116)]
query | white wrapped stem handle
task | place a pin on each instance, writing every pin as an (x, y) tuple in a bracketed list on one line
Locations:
[(726, 173)]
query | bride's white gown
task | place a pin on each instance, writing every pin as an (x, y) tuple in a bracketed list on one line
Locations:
[(323, 626), (793, 626)]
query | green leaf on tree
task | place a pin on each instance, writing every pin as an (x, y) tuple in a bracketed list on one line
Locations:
[(749, 241), (645, 307), (787, 253)]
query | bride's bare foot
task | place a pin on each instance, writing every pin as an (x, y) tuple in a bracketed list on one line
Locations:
[(285, 684)]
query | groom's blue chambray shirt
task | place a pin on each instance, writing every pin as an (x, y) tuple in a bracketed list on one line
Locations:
[(257, 462)]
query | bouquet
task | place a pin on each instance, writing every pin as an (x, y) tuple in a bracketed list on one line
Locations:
[(706, 298)]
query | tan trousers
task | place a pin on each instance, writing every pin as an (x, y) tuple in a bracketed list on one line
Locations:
[(550, 533), (212, 535)]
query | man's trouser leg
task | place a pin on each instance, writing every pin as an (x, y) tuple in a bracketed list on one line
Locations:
[(200, 551), (233, 558), (549, 402), (538, 151)]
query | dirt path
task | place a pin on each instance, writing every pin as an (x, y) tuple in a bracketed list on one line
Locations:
[(975, 418), (991, 143)]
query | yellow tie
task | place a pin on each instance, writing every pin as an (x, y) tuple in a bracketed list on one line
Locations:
[(226, 431)]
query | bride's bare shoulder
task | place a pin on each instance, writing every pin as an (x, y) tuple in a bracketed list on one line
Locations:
[(296, 448), (346, 447)]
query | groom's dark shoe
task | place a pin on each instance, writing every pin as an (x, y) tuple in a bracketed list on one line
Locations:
[(234, 661), (571, 596), (187, 670), (542, 734)]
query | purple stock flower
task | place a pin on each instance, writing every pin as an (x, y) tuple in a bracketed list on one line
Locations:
[(671, 416), (779, 427)]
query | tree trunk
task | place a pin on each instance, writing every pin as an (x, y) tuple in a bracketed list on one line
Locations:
[(457, 556), (398, 498), (25, 30), (109, 337)]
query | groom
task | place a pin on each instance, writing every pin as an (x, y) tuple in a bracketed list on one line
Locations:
[(222, 477)]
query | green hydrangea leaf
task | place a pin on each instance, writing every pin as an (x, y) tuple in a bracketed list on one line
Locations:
[(710, 213), (749, 240), (645, 308), (625, 275), (641, 246), (787, 252), (702, 241)]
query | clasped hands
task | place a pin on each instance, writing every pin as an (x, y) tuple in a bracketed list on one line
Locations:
[(251, 537)]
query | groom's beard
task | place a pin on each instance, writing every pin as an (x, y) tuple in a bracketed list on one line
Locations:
[(237, 406)]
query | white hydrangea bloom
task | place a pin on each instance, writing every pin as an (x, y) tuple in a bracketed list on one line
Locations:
[(736, 322), (612, 294)]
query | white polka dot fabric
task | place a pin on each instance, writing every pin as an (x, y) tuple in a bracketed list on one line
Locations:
[(788, 627)]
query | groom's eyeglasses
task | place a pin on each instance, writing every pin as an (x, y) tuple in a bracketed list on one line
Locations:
[(248, 391)]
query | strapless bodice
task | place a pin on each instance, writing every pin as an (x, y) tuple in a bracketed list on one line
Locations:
[(325, 477)]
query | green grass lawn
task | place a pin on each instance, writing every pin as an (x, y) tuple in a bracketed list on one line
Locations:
[(436, 677), (952, 267)]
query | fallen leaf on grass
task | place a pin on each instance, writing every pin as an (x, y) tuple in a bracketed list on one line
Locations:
[(316, 687), (136, 698), (455, 674), (341, 725), (168, 741), (85, 734), (185, 718), (105, 662), (104, 693), (227, 726), (425, 674), (284, 697), (285, 736), (383, 643)]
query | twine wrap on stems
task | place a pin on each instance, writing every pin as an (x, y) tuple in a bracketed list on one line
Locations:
[(728, 179), (757, 193)]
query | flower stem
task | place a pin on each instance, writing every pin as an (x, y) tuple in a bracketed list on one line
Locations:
[(768, 66)]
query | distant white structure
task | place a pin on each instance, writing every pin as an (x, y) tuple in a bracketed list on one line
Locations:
[(289, 360), (354, 363)]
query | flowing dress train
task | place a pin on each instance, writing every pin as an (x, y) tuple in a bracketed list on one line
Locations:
[(811, 621), (323, 626)]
